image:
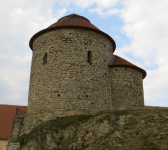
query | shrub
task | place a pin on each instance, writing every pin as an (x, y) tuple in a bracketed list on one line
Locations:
[(166, 119), (21, 139), (160, 115), (137, 132), (151, 143), (145, 136), (153, 148), (145, 142)]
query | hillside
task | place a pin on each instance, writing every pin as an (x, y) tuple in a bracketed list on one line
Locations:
[(142, 129)]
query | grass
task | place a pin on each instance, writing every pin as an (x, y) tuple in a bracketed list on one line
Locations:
[(20, 139), (145, 136), (137, 132), (145, 142), (160, 115), (128, 127), (58, 123), (166, 119), (153, 148), (151, 143)]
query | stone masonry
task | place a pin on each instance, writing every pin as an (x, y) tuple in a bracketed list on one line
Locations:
[(74, 72), (62, 79), (126, 88)]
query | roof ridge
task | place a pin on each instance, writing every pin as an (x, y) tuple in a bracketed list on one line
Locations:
[(74, 16)]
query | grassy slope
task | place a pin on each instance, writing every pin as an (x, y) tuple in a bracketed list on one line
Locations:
[(143, 129)]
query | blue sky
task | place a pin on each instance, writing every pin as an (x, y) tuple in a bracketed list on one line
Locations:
[(140, 33)]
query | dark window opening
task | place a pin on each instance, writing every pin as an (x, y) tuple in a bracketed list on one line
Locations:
[(45, 59), (86, 96), (58, 94), (89, 57), (116, 69)]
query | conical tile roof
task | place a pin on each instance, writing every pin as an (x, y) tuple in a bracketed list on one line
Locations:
[(118, 61), (72, 21)]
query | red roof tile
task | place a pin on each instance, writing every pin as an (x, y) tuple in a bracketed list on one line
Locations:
[(118, 61), (152, 107), (7, 113), (72, 21)]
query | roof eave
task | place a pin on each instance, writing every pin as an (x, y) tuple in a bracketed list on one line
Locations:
[(141, 70), (54, 28)]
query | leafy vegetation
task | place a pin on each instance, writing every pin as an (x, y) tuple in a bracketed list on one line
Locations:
[(139, 128)]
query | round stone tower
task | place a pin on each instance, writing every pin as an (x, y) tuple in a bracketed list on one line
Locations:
[(126, 82), (69, 72)]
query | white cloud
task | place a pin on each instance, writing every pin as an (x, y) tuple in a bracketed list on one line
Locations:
[(19, 21), (109, 12), (145, 24), (100, 3)]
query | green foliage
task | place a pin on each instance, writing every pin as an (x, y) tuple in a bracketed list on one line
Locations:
[(153, 148), (160, 115), (125, 127), (166, 119), (56, 130), (20, 139), (145, 142), (151, 143), (137, 132), (61, 122), (145, 136)]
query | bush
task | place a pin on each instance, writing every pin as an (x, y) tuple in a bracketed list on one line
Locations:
[(166, 119), (145, 142), (153, 148), (145, 136), (21, 139), (151, 143)]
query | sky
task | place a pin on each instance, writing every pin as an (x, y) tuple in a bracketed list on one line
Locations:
[(139, 28)]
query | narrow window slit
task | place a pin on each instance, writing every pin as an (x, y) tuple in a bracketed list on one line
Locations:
[(45, 59), (89, 57)]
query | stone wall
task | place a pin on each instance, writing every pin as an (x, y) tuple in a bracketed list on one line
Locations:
[(63, 78), (126, 88), (15, 132), (16, 128), (13, 146)]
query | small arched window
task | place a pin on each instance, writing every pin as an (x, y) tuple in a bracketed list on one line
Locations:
[(89, 57), (45, 59)]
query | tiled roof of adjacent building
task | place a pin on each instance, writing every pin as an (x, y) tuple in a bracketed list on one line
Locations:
[(7, 113), (152, 107), (72, 21), (118, 61)]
